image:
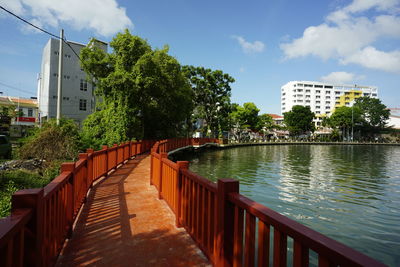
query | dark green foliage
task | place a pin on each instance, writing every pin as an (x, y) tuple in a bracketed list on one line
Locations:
[(211, 100), (246, 116), (143, 93), (53, 142), (299, 120), (374, 114)]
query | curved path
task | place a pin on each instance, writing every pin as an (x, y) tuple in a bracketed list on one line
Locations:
[(124, 223)]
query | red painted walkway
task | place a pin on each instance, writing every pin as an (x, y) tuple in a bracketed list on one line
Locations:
[(124, 223)]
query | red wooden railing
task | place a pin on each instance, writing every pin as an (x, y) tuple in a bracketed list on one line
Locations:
[(233, 230), (41, 219)]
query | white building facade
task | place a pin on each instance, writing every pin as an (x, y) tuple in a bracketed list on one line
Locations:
[(77, 100), (322, 98)]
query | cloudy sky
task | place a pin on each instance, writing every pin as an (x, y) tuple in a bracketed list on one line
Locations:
[(262, 44)]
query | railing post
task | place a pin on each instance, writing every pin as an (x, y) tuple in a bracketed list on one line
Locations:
[(33, 248), (225, 218), (85, 157), (183, 165), (90, 166), (130, 149), (116, 156), (162, 156), (70, 167), (106, 163)]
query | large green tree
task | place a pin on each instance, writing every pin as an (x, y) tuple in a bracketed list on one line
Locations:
[(142, 92), (246, 116), (299, 120), (374, 114), (344, 118), (211, 100)]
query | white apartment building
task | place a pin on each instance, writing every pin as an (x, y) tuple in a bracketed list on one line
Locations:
[(77, 100), (322, 98)]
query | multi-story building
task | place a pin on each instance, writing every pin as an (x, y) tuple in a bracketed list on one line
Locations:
[(77, 100), (322, 98)]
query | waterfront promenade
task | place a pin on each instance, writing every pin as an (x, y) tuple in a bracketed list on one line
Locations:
[(123, 223)]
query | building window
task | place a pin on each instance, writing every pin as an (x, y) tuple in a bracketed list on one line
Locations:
[(54, 97), (308, 91), (327, 102), (299, 90), (299, 84), (83, 85), (327, 107), (318, 86), (328, 92), (329, 86), (328, 97), (317, 112), (347, 98), (82, 104), (65, 98), (337, 93), (307, 101), (317, 102), (30, 112), (317, 107), (374, 94), (317, 96), (337, 103), (318, 91), (283, 93), (20, 112)]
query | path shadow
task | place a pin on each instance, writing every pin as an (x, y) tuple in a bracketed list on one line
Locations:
[(103, 234)]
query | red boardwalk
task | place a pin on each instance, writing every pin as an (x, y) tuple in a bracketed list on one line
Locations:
[(125, 224)]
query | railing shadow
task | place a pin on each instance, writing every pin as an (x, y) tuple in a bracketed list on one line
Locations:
[(103, 235)]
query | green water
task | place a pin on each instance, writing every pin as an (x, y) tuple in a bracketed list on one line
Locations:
[(349, 193)]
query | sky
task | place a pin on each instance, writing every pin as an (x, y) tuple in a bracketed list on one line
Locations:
[(261, 44)]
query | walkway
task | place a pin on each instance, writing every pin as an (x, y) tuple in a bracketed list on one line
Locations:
[(124, 223)]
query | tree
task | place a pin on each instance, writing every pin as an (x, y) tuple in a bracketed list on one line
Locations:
[(143, 92), (299, 120), (374, 114), (344, 118), (212, 93), (265, 121), (246, 116)]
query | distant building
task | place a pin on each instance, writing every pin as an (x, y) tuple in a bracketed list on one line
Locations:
[(26, 110), (322, 98), (394, 121), (278, 119), (78, 100)]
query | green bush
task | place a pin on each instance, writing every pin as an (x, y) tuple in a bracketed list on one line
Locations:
[(5, 198), (11, 181), (53, 142)]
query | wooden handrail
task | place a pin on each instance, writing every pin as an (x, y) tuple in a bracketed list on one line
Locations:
[(234, 241)]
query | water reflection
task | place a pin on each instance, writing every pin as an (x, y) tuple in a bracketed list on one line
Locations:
[(350, 193)]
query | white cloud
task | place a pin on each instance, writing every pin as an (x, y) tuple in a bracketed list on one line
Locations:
[(341, 77), (247, 47), (105, 17), (348, 36)]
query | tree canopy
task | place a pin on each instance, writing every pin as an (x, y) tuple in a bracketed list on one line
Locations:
[(142, 92), (299, 120), (212, 91), (374, 114)]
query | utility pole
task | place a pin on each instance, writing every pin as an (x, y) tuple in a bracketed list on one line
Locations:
[(59, 84), (352, 123)]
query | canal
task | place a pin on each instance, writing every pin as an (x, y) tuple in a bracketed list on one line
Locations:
[(349, 193)]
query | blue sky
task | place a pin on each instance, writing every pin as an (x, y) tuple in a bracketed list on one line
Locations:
[(262, 44)]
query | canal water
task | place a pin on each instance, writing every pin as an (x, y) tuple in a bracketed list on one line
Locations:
[(349, 193)]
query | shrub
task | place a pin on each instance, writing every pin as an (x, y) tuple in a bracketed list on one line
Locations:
[(11, 181), (53, 142)]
